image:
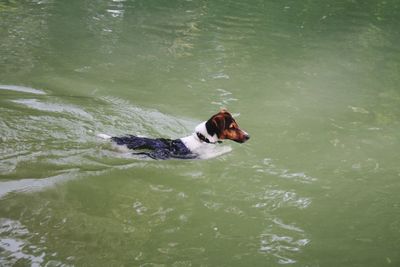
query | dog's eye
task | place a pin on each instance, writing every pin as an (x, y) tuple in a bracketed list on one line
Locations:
[(232, 126)]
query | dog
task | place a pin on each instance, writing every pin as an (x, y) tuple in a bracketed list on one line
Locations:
[(219, 127)]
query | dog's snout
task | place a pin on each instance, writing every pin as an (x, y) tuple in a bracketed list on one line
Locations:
[(245, 136)]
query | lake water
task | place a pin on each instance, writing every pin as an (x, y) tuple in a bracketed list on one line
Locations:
[(315, 83)]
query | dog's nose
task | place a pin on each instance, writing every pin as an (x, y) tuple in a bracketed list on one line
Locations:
[(247, 137)]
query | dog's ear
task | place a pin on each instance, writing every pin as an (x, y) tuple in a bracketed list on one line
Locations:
[(219, 122), (216, 124)]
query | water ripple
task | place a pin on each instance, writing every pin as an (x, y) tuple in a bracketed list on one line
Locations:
[(32, 185), (58, 134), (22, 89), (15, 245), (52, 107), (270, 168), (283, 246), (272, 199)]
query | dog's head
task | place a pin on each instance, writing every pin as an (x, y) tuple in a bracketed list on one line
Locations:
[(225, 127)]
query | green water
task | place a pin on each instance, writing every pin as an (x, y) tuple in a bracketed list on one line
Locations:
[(315, 83)]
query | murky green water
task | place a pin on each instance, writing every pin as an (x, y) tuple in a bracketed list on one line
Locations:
[(315, 83)]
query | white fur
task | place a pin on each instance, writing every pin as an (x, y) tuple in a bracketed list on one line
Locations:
[(192, 142), (203, 149)]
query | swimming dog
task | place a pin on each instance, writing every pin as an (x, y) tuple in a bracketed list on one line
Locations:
[(219, 127)]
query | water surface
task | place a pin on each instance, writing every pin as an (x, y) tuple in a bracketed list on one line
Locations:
[(315, 83)]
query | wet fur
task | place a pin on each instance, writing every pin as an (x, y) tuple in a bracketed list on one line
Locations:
[(221, 126)]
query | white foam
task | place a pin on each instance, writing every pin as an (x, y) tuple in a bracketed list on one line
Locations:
[(53, 107), (212, 151), (22, 89), (104, 136)]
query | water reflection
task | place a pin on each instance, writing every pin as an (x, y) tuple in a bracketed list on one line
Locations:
[(271, 169), (24, 40), (16, 247), (272, 199), (106, 25), (290, 240)]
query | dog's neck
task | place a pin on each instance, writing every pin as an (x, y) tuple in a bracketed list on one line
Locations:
[(199, 138), (203, 135)]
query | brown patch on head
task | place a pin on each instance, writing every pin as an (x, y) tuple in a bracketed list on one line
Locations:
[(225, 127)]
